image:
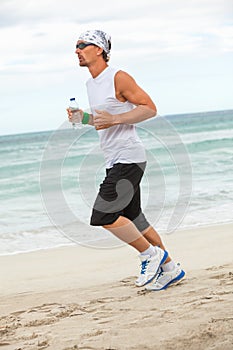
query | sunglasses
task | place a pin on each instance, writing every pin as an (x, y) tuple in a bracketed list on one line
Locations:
[(82, 46)]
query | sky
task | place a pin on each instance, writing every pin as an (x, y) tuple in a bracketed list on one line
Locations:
[(180, 52)]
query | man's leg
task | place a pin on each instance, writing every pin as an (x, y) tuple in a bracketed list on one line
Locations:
[(171, 273), (126, 231), (151, 257), (153, 237)]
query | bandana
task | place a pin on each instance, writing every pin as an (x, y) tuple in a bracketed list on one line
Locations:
[(98, 38)]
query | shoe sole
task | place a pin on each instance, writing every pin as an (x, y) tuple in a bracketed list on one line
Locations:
[(161, 262), (174, 282)]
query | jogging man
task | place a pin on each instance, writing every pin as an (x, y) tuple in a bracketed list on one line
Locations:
[(117, 104)]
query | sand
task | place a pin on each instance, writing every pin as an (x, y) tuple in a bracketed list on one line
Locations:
[(81, 298)]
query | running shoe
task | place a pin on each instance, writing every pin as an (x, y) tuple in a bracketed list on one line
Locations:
[(150, 266), (165, 279)]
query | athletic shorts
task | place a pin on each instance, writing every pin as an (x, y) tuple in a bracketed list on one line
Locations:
[(119, 195)]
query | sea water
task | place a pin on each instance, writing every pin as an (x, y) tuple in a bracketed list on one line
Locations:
[(49, 180)]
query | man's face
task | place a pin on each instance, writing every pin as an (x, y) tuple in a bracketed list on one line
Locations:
[(87, 53)]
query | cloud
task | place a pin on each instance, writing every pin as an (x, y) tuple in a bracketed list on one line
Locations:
[(27, 12), (164, 37), (32, 30), (38, 37)]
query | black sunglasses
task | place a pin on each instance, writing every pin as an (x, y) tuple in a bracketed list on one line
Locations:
[(82, 46)]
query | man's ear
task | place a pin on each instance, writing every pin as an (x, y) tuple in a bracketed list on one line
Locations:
[(99, 52)]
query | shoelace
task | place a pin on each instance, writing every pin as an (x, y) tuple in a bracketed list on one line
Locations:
[(161, 273), (144, 266)]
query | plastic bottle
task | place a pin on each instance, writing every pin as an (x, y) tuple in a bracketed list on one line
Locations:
[(75, 113)]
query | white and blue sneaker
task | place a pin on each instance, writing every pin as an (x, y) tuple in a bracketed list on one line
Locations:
[(150, 266), (165, 279)]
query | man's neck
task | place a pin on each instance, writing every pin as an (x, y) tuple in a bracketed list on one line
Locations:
[(96, 69)]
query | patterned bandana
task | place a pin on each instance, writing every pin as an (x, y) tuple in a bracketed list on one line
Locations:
[(98, 38)]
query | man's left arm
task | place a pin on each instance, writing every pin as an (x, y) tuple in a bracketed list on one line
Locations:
[(127, 90)]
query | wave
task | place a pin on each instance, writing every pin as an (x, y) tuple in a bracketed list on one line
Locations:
[(207, 145), (206, 139)]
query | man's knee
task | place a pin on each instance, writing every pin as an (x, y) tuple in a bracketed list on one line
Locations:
[(141, 223)]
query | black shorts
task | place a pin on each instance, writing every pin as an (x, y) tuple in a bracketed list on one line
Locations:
[(119, 195)]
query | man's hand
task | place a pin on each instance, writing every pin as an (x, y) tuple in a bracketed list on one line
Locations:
[(74, 116), (103, 120)]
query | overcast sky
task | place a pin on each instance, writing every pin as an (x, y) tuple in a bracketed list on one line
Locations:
[(180, 52)]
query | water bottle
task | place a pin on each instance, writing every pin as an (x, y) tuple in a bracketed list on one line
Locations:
[(73, 106)]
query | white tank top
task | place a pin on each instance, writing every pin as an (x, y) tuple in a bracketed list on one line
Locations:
[(120, 143)]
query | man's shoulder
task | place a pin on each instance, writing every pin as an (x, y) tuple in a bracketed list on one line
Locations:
[(122, 76)]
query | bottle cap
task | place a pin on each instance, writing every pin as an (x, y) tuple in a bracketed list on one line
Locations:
[(72, 99)]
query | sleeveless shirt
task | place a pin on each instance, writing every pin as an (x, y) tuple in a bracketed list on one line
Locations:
[(119, 143)]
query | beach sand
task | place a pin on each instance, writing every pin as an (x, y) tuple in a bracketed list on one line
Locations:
[(83, 298)]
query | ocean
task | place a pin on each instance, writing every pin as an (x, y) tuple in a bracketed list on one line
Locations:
[(49, 180)]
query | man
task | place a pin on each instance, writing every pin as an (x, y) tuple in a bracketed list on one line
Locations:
[(117, 104)]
